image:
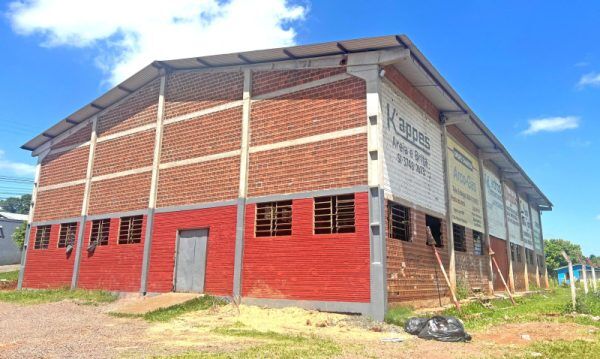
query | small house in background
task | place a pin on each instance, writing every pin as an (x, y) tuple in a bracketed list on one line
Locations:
[(563, 273), (9, 251)]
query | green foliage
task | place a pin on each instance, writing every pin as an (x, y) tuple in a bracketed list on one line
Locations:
[(398, 315), (586, 304), (10, 276), (577, 349), (462, 289), (554, 258), (18, 235), (166, 314), (16, 204), (26, 296)]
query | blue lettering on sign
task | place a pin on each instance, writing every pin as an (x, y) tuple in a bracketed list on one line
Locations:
[(407, 131)]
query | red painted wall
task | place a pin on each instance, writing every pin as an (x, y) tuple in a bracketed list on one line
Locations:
[(304, 266), (48, 268), (499, 247), (116, 266), (220, 222)]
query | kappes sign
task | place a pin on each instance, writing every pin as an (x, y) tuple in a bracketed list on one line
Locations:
[(407, 130)]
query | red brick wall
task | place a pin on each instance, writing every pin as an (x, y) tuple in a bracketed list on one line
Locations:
[(115, 266), (215, 133), (269, 81), (305, 266), (211, 181), (413, 273), (472, 270), (120, 194), (220, 223), (519, 271), (48, 268), (59, 203), (194, 91), (337, 106), (124, 153), (392, 74), (80, 136), (64, 166), (499, 248), (327, 164), (137, 110)]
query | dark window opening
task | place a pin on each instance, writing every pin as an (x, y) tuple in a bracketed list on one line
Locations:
[(100, 232), (435, 225), (515, 253), (273, 219), (1, 233), (460, 244), (529, 256), (42, 237), (477, 243), (130, 230), (398, 221), (68, 231), (334, 214)]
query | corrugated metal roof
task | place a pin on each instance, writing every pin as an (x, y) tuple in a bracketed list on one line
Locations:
[(419, 71), (13, 216)]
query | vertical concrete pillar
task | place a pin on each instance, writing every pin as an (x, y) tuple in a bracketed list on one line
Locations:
[(449, 210), (85, 204), (486, 225), (511, 276), (36, 185), (243, 187), (523, 254), (535, 249), (153, 183), (546, 281)]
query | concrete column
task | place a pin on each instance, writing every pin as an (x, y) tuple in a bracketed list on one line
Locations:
[(85, 204), (535, 252), (486, 225), (153, 183), (511, 276), (546, 281), (449, 210), (36, 185), (523, 255), (243, 187)]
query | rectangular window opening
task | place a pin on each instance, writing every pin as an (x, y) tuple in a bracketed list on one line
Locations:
[(460, 244), (100, 232), (273, 219), (67, 234), (435, 225), (477, 243), (1, 233), (42, 237), (130, 230), (398, 221), (334, 214)]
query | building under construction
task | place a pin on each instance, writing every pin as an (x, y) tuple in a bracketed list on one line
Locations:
[(309, 175)]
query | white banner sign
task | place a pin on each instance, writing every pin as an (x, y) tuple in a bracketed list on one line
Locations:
[(494, 204), (526, 223), (412, 147), (537, 230), (511, 206)]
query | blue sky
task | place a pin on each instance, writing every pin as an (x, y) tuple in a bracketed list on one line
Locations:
[(512, 61)]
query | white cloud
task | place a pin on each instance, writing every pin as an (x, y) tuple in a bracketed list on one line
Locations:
[(15, 168), (591, 79), (551, 124), (129, 34)]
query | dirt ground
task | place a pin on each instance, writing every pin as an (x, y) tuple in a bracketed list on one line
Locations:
[(68, 329)]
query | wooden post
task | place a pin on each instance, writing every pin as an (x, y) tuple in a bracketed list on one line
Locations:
[(431, 242), (502, 277), (584, 274), (571, 279), (594, 283)]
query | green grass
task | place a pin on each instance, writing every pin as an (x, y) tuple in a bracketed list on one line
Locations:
[(561, 349), (277, 345), (398, 315), (586, 304), (27, 296), (10, 276), (166, 314), (548, 306)]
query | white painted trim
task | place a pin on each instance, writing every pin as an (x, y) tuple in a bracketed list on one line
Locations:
[(61, 185), (245, 142), (204, 112), (131, 131), (122, 173), (157, 143), (207, 158), (90, 167), (310, 139), (301, 87)]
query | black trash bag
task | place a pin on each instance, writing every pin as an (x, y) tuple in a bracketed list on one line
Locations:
[(415, 325), (444, 329)]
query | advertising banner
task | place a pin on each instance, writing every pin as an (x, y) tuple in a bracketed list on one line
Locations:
[(412, 146), (465, 189), (494, 204), (511, 206), (537, 230), (526, 223)]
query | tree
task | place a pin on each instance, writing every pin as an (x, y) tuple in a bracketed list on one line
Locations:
[(595, 260), (553, 249), (18, 235), (16, 204)]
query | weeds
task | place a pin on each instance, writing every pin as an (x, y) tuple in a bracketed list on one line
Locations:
[(28, 296), (10, 276), (168, 313), (398, 315)]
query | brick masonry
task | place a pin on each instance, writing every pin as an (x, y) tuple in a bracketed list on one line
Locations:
[(124, 153), (64, 166), (120, 194), (58, 203)]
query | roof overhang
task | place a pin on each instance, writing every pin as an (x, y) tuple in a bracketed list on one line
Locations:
[(416, 68)]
